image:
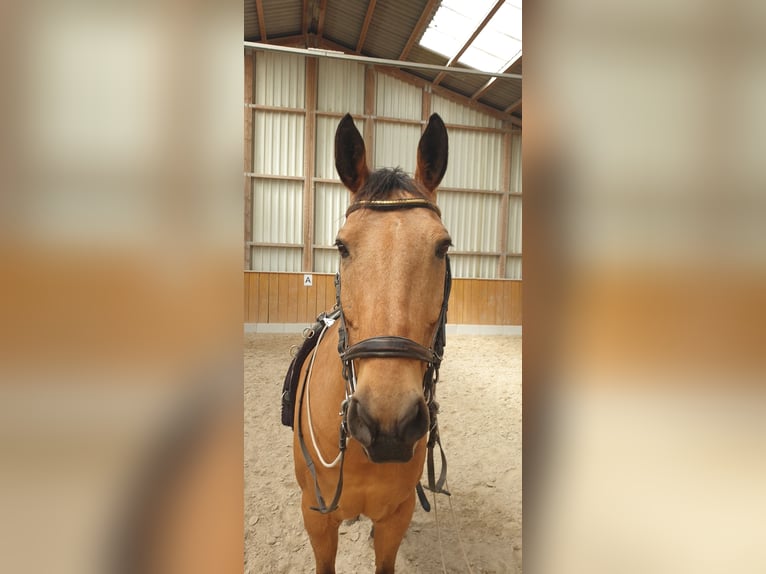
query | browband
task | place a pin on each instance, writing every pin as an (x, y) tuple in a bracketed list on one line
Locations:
[(392, 204)]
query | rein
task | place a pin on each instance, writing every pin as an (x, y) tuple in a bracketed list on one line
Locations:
[(385, 347)]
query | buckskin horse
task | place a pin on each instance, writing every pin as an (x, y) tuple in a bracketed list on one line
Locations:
[(364, 407)]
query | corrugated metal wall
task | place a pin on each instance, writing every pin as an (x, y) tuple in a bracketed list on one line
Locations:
[(278, 145), (340, 87), (395, 99), (280, 80), (484, 219), (513, 263), (454, 113), (396, 145)]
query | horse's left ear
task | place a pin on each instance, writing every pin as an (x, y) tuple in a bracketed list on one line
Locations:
[(350, 155), (432, 154)]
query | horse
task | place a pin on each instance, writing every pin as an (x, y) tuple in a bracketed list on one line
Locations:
[(366, 392)]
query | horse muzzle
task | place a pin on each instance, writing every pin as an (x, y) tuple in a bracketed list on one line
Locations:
[(397, 442)]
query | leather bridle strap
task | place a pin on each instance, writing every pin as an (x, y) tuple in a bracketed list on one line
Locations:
[(388, 347), (392, 204)]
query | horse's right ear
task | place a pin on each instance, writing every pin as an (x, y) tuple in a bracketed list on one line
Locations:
[(350, 159)]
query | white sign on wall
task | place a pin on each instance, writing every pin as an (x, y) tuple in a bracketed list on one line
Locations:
[(308, 280)]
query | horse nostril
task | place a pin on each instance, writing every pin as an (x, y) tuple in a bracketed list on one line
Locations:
[(360, 425), (415, 423)]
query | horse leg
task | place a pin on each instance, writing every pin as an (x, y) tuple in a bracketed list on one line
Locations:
[(389, 533), (323, 534)]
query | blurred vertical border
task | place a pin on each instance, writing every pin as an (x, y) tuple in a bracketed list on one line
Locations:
[(645, 286), (121, 287)]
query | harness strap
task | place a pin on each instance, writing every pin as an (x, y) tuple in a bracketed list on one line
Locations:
[(433, 440)]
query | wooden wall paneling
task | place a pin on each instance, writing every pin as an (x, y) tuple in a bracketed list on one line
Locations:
[(261, 312), (496, 312), (329, 297), (483, 302), (455, 311), (321, 286), (466, 302), (302, 296), (294, 285), (246, 291), (516, 300), (272, 297), (283, 301), (282, 298), (311, 300), (505, 317), (259, 306)]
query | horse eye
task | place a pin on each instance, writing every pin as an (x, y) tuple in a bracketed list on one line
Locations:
[(442, 248), (342, 249)]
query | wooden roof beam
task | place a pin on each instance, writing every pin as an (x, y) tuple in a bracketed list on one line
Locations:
[(261, 20), (417, 31), (513, 107), (322, 14), (305, 18), (488, 84), (453, 60), (365, 26)]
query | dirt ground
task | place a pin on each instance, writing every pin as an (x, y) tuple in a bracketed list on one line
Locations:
[(480, 397)]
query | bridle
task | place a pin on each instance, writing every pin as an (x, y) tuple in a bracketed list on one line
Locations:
[(385, 347)]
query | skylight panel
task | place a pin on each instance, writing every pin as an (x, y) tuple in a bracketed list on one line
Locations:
[(496, 47), (453, 24), (499, 44)]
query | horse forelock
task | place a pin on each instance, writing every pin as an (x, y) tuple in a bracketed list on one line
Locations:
[(390, 183)]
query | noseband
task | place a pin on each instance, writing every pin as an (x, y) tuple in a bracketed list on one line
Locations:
[(385, 347)]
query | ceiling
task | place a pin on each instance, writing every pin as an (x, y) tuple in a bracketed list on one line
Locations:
[(387, 29)]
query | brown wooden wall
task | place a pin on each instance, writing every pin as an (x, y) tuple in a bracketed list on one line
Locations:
[(282, 298)]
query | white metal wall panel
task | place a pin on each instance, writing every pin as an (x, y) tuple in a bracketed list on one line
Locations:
[(516, 163), (514, 225), (280, 80), (326, 260), (330, 203), (396, 145), (513, 268), (472, 219), (396, 99), (514, 264), (278, 143), (475, 160), (474, 266), (340, 87), (285, 259), (454, 113), (278, 211), (324, 164)]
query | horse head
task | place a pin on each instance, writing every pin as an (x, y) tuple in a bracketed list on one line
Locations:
[(393, 263)]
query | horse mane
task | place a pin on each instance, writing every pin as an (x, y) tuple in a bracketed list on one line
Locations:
[(384, 183)]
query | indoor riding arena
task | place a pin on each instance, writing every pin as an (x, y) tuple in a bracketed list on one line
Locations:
[(391, 65)]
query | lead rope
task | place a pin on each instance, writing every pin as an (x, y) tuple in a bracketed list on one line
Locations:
[(321, 506), (439, 534), (456, 525), (459, 537), (326, 464)]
